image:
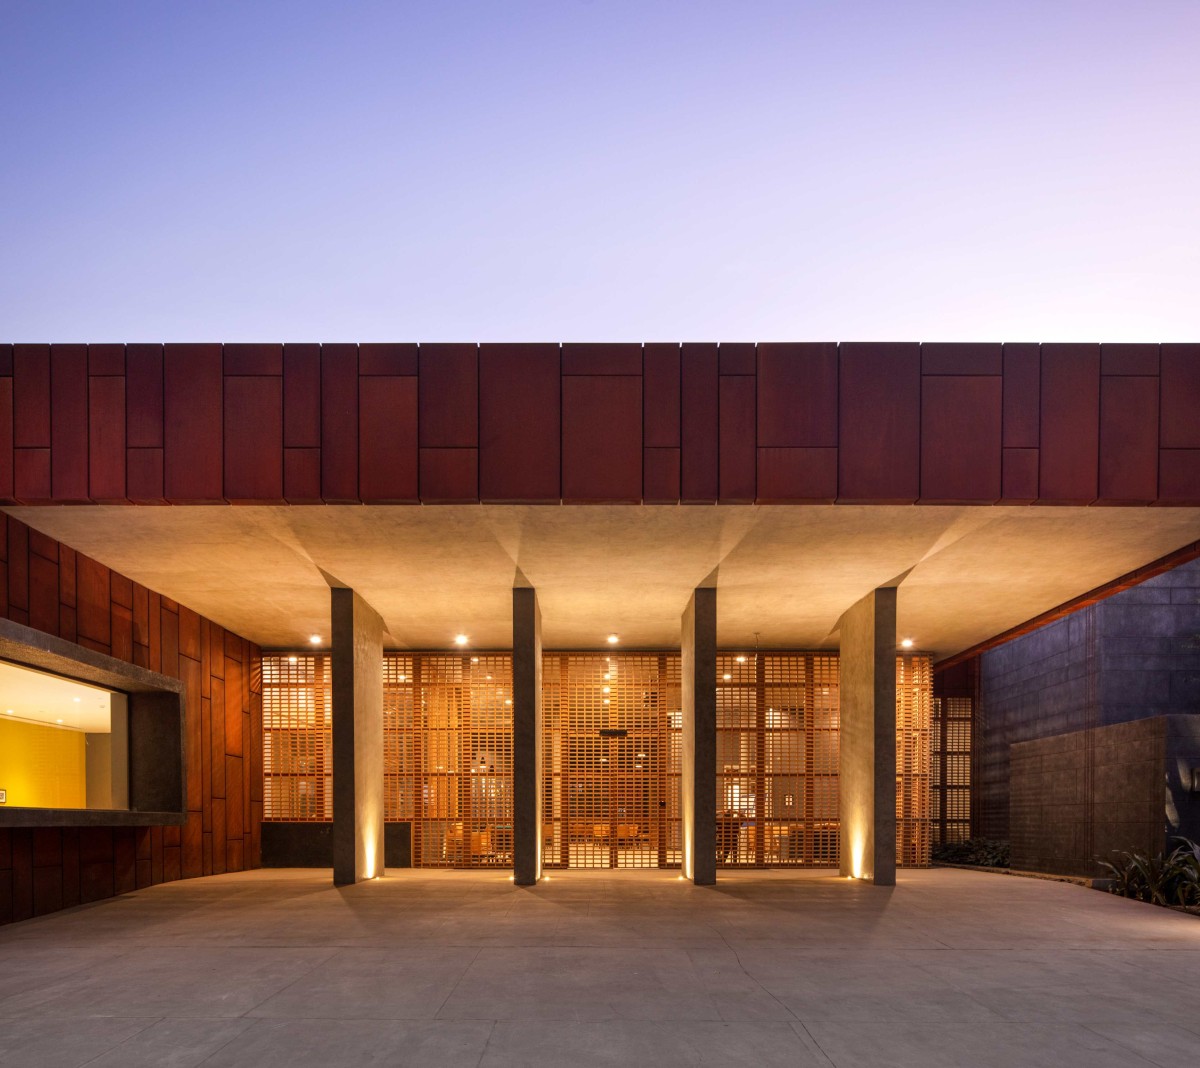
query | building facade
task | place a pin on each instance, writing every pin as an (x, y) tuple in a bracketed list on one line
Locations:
[(751, 525)]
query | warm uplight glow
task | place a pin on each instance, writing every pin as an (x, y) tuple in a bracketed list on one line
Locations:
[(460, 639), (907, 643), (315, 639), (613, 639)]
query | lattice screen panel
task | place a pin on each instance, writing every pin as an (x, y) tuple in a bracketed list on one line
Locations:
[(950, 768), (611, 759), (777, 759), (460, 741), (914, 703), (297, 746)]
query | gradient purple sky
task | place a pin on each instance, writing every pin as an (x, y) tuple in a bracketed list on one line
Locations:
[(599, 171)]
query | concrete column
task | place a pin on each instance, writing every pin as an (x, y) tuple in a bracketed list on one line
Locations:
[(527, 737), (867, 770), (698, 778), (357, 663)]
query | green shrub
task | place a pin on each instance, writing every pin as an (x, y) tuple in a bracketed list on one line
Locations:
[(983, 852), (1171, 878)]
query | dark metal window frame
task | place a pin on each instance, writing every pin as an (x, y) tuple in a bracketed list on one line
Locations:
[(157, 738)]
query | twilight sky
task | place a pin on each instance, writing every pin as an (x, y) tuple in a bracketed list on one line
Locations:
[(573, 170)]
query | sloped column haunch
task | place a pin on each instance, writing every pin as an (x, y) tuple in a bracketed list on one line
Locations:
[(867, 765), (357, 662)]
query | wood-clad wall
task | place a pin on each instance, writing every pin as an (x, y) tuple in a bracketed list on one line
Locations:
[(656, 423), (49, 586)]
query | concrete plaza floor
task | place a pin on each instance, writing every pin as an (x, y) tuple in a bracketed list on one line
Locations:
[(277, 968)]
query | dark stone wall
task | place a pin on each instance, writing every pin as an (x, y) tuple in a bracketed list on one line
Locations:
[(310, 845), (1132, 656), (1084, 795)]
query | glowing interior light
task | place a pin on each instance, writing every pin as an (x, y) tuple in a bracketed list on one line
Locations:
[(403, 678), (607, 701), (460, 639), (508, 701), (613, 639), (740, 659), (606, 689), (292, 659), (727, 676), (315, 639), (475, 660)]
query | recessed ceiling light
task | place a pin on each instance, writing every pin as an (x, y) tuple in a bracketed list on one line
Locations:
[(907, 643), (76, 699), (460, 639), (8, 711), (613, 639), (58, 721), (315, 639)]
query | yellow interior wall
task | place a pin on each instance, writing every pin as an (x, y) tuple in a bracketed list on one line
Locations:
[(41, 766)]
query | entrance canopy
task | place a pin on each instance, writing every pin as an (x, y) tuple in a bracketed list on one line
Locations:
[(785, 573)]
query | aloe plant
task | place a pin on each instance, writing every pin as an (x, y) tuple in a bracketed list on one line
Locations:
[(1169, 878)]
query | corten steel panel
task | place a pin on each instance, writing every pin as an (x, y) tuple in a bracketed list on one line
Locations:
[(1020, 476), (69, 423), (144, 396), (31, 475), (1129, 360), (387, 359), (736, 358), (6, 361), (449, 476), (1179, 476), (1180, 397), (600, 359), (797, 395), (253, 359), (954, 358), (960, 438), (94, 604), (698, 424), (879, 420), (6, 439), (144, 470), (519, 423), (302, 397), (1022, 395), (1128, 439), (302, 476), (602, 438), (43, 593), (1070, 431), (339, 423), (660, 476), (660, 396), (738, 454), (106, 360), (254, 438), (790, 476), (448, 396), (192, 448), (387, 448), (106, 439), (31, 396)]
